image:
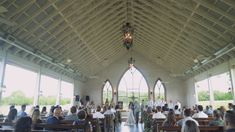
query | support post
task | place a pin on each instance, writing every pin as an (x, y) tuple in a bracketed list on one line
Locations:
[(37, 88), (59, 91), (2, 72)]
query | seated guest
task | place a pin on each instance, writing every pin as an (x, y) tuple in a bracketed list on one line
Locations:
[(190, 126), (165, 109), (222, 111), (217, 119), (98, 114), (158, 114), (200, 113), (209, 110), (230, 106), (36, 119), (82, 121), (230, 121), (108, 111), (112, 109), (177, 112), (118, 115), (170, 120), (11, 118), (44, 110), (55, 119), (22, 113), (187, 116), (31, 111), (23, 124), (73, 114), (51, 111), (11, 107), (37, 107)]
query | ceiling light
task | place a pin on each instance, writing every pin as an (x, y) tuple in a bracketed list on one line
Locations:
[(69, 60), (127, 36)]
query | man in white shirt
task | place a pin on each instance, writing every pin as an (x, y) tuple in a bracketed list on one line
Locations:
[(187, 113), (178, 103), (177, 112), (109, 112), (200, 113), (97, 114), (171, 105), (159, 115), (162, 103)]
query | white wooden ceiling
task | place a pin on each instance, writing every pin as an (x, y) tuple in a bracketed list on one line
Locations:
[(171, 33)]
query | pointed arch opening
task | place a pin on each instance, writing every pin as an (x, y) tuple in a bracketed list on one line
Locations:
[(107, 92), (132, 87), (159, 90)]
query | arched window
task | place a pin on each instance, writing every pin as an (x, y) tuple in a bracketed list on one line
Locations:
[(107, 91), (132, 86), (159, 90)]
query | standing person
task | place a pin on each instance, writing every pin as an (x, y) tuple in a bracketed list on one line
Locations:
[(178, 103), (130, 119), (142, 111), (171, 105), (136, 111), (230, 121)]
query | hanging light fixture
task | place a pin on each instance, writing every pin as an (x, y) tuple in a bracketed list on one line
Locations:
[(131, 62), (128, 36)]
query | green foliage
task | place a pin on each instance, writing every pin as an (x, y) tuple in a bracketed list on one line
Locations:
[(218, 95), (65, 101), (203, 96), (50, 100), (17, 98)]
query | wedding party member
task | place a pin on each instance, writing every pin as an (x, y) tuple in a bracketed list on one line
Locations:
[(130, 119), (142, 111), (136, 111)]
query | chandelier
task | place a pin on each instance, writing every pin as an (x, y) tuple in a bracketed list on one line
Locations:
[(128, 36)]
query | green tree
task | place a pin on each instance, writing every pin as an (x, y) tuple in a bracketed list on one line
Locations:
[(203, 96), (17, 98), (218, 95)]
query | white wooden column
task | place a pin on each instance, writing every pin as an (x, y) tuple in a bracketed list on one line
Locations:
[(2, 72), (37, 88), (58, 99), (211, 93), (232, 77), (195, 91)]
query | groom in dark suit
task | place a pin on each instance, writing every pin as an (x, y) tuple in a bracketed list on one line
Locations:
[(136, 111)]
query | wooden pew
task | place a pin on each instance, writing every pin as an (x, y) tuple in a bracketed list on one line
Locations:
[(202, 128), (60, 126), (7, 124)]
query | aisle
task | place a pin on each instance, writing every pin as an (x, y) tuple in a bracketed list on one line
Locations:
[(134, 128)]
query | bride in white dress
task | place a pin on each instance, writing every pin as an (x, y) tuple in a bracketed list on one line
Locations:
[(130, 119)]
